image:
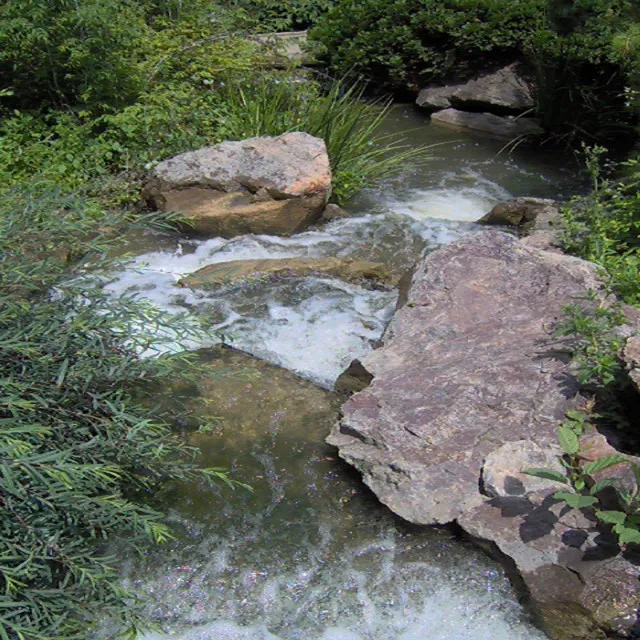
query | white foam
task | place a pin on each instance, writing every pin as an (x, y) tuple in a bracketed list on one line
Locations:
[(447, 615), (461, 197)]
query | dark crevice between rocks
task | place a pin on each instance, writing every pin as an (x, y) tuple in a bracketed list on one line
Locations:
[(353, 379)]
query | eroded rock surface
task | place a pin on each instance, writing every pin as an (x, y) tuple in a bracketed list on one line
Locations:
[(468, 378), (632, 358), (436, 97), (224, 273), (506, 127), (261, 185)]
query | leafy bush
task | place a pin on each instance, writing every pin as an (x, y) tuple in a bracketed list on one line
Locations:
[(580, 50), (581, 78), (276, 15), (81, 457), (407, 43), (60, 51), (604, 226)]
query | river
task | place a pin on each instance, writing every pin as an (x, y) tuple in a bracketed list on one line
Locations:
[(310, 554)]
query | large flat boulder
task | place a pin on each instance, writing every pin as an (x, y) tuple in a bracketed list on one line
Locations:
[(276, 185), (228, 273), (467, 390), (505, 127)]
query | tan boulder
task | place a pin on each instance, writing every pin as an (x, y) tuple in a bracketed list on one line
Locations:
[(215, 213), (225, 273), (274, 185)]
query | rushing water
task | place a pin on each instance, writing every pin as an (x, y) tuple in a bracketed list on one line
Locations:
[(310, 554)]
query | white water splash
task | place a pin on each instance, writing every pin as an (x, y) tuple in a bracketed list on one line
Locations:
[(313, 326), (460, 197)]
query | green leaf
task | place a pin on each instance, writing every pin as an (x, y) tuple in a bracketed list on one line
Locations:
[(612, 517), (602, 484), (603, 463), (547, 474), (575, 500), (568, 440), (627, 535)]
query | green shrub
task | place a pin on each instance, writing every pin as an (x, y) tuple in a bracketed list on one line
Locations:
[(604, 226), (81, 458), (279, 15), (583, 52), (408, 43), (65, 52)]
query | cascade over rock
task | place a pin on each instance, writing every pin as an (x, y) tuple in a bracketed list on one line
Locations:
[(225, 273), (260, 185), (467, 390)]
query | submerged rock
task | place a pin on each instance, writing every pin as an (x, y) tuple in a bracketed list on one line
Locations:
[(261, 185), (244, 394), (225, 273), (506, 127), (518, 212), (467, 379)]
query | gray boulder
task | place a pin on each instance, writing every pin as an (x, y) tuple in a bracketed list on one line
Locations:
[(503, 91), (435, 97), (632, 359), (536, 219), (260, 185), (468, 377), (506, 127)]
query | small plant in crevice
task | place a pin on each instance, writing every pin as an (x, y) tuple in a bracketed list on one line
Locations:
[(595, 345), (584, 489)]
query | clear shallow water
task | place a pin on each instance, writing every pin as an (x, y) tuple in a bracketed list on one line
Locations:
[(311, 555)]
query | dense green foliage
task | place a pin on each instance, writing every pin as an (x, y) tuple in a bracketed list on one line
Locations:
[(81, 457), (283, 15), (413, 42), (584, 53), (604, 226), (188, 82)]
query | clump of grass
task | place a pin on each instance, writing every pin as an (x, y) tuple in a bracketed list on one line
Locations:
[(360, 153)]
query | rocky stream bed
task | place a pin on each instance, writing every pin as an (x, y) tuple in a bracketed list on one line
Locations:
[(461, 391)]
